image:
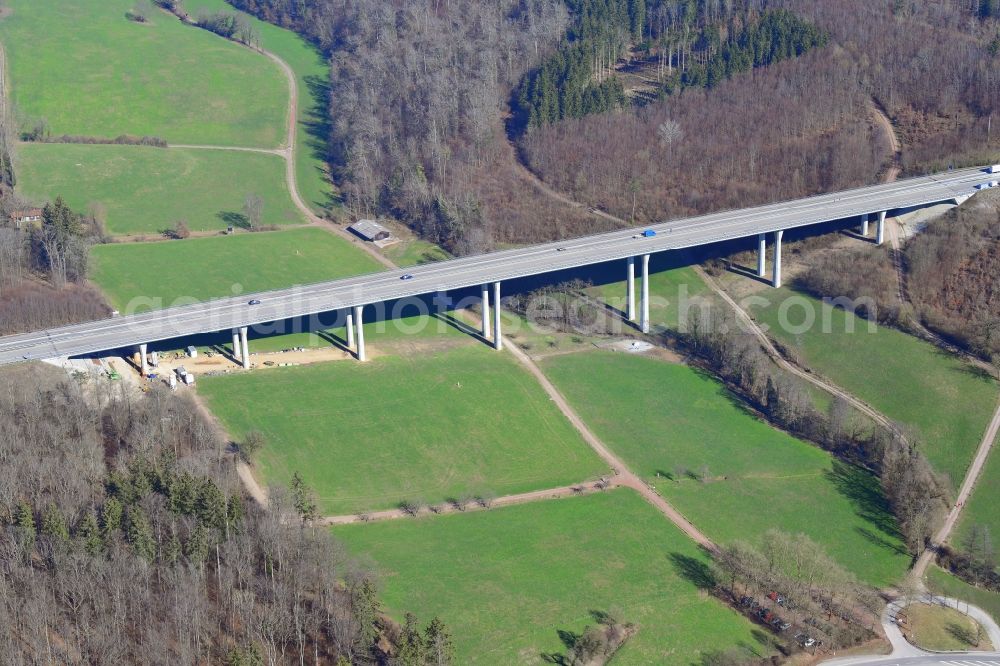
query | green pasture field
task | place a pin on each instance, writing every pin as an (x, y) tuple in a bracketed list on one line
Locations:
[(312, 74), (84, 68), (942, 399), (674, 426), (147, 276), (143, 190), (512, 583), (428, 427)]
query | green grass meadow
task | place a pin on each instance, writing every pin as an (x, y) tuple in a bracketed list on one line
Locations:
[(661, 417), (430, 426), (415, 253), (982, 506), (941, 582), (144, 190), (312, 73), (154, 275), (87, 69), (507, 581), (944, 400)]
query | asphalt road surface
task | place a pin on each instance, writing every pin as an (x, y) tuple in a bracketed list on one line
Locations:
[(229, 313), (964, 659)]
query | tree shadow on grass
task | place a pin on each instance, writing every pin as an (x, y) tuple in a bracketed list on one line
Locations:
[(569, 639), (862, 488), (962, 634), (693, 570), (451, 318), (318, 125), (882, 542), (232, 219)]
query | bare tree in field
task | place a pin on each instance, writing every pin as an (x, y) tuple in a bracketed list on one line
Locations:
[(253, 208)]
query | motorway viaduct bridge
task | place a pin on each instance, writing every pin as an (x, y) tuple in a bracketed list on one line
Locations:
[(489, 270)]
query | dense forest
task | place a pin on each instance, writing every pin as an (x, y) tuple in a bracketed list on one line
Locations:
[(746, 109), (795, 128), (931, 65), (954, 275), (693, 44), (124, 538), (418, 93)]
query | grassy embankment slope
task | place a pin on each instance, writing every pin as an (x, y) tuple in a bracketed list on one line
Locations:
[(433, 426), (662, 418), (943, 400), (507, 581)]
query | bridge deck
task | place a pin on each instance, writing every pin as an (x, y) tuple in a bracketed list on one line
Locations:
[(228, 313)]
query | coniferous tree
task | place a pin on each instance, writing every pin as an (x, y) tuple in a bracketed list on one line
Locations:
[(411, 643), (89, 533), (111, 517), (25, 523), (54, 524), (139, 533), (440, 649)]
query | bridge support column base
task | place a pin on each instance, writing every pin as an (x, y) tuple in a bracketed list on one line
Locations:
[(761, 255), (880, 229)]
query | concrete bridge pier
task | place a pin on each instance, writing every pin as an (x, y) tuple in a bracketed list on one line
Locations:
[(236, 345), (630, 289), (864, 225), (244, 348), (143, 367), (761, 255), (497, 337), (359, 323), (880, 229), (349, 328), (484, 295), (645, 294), (776, 279)]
